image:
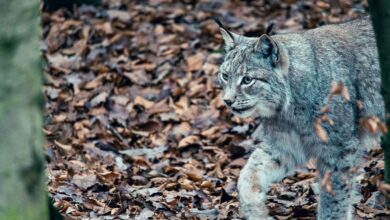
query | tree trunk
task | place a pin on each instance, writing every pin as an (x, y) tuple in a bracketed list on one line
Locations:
[(380, 15), (22, 182)]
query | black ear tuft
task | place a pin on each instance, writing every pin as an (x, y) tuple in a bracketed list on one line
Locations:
[(269, 29), (218, 22), (228, 37), (222, 27)]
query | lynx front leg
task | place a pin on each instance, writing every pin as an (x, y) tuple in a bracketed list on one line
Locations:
[(336, 161), (261, 170)]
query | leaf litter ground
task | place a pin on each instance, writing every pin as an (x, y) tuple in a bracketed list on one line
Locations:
[(134, 123)]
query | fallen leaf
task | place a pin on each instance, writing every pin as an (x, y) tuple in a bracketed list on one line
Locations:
[(320, 131), (188, 140), (85, 180), (195, 62), (143, 102)]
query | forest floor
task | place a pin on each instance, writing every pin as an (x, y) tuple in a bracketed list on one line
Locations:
[(134, 123)]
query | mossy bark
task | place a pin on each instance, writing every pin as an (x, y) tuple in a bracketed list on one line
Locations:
[(22, 182), (380, 15)]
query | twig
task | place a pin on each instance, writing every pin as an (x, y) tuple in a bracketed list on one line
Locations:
[(116, 133)]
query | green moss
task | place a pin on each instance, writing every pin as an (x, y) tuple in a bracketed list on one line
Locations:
[(32, 212), (22, 189)]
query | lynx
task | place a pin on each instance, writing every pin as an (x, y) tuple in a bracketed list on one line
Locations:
[(284, 81)]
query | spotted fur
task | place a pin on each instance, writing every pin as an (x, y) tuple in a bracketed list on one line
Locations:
[(284, 81)]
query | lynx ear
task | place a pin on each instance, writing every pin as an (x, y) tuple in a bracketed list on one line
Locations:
[(268, 48), (230, 38)]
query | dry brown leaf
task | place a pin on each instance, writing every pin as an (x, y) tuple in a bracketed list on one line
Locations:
[(322, 4), (195, 62), (196, 90), (109, 176), (145, 66), (372, 124), (326, 183), (95, 83), (210, 69), (186, 184), (64, 63), (339, 88), (385, 189), (320, 131), (65, 147), (326, 118), (159, 29), (188, 140), (207, 184), (382, 127), (336, 88), (85, 180), (218, 171), (143, 102), (192, 172), (171, 186), (123, 16), (209, 133), (99, 99), (345, 93), (324, 109), (59, 118)]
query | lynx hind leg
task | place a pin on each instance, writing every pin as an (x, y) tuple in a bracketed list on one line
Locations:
[(369, 85), (336, 202), (337, 161), (338, 184), (259, 172)]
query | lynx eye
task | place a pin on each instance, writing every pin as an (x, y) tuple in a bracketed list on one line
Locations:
[(225, 76), (247, 80)]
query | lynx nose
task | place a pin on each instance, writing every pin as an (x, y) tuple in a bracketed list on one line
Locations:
[(229, 97), (228, 102)]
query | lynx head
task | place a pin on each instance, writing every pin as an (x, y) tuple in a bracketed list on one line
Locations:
[(253, 75)]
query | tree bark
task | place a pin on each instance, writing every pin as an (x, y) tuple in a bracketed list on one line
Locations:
[(380, 15), (22, 181)]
